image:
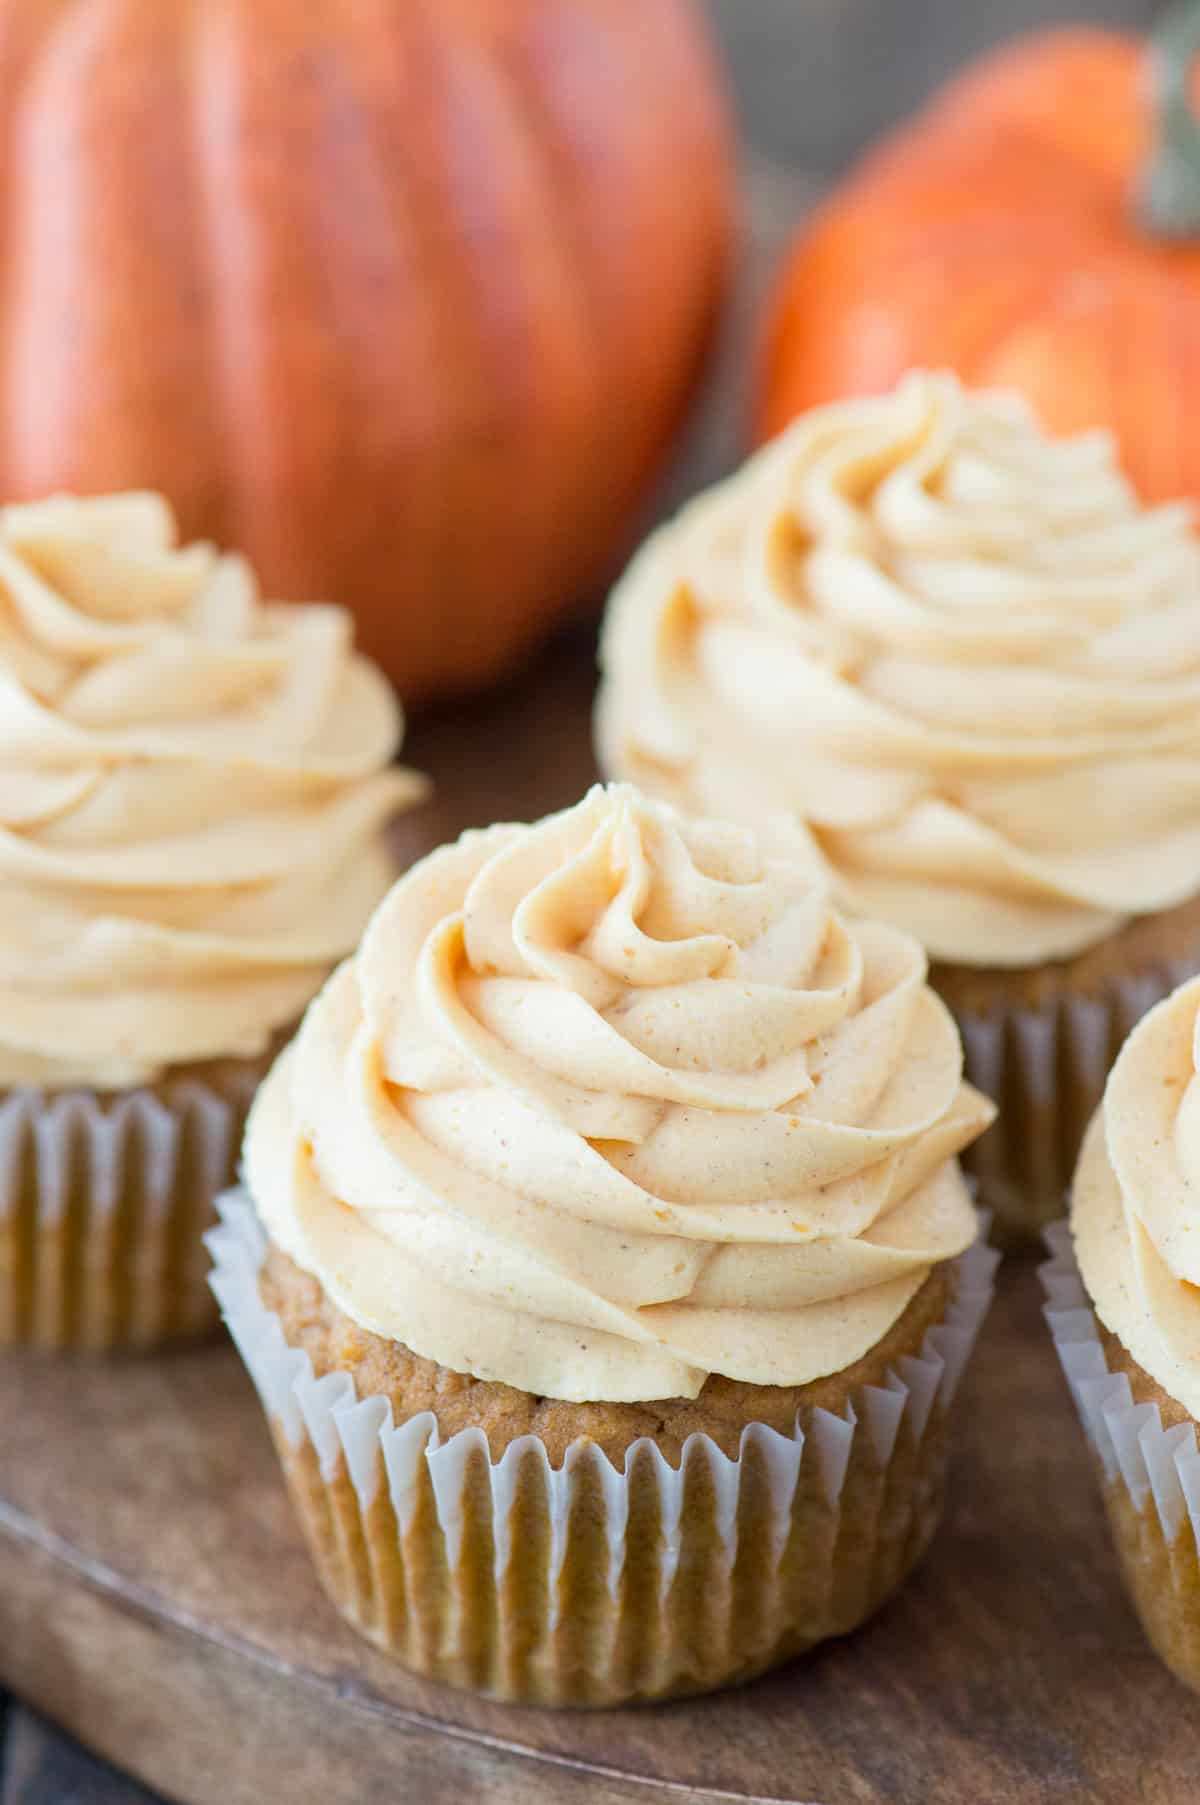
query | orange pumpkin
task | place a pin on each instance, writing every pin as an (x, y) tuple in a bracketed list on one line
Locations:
[(402, 297), (1021, 233)]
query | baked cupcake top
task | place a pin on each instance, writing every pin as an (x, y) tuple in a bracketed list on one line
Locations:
[(193, 787), (609, 1103), (1135, 1210), (951, 657)]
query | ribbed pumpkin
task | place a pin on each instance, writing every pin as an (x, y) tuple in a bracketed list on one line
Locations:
[(401, 297), (1022, 233)]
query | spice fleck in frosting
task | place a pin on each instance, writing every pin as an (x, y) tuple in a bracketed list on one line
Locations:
[(194, 786), (949, 658), (616, 1101), (1136, 1205)]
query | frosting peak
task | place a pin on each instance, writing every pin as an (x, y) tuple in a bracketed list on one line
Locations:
[(950, 660), (193, 788), (1136, 1204), (612, 1102)]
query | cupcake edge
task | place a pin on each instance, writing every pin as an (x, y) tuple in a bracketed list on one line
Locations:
[(104, 1202), (1143, 1444), (579, 1584), (1041, 1042)]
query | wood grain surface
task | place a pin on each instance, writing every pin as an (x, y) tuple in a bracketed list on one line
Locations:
[(815, 80), (155, 1596)]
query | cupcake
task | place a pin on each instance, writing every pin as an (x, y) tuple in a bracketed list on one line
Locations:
[(194, 788), (957, 665), (1125, 1313), (604, 1267)]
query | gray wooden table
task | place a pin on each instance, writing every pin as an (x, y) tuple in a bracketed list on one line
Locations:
[(816, 80)]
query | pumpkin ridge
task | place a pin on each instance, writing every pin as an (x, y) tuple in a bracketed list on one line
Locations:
[(434, 521), (218, 118), (217, 521), (226, 277), (532, 347), (604, 440), (563, 246), (1150, 412), (101, 324), (1030, 159), (980, 351), (24, 38)]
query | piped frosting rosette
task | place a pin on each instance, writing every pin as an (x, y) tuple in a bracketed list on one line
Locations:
[(193, 787), (1136, 1208), (952, 659), (610, 1103)]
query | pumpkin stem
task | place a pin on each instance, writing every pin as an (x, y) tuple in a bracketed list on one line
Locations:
[(1169, 202)]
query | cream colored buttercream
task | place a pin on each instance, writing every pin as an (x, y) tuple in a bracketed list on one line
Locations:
[(607, 1104), (1135, 1211), (193, 787), (951, 657)]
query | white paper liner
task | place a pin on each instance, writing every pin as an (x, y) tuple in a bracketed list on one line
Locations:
[(327, 1414), (104, 1201), (1128, 1438), (1046, 1067)]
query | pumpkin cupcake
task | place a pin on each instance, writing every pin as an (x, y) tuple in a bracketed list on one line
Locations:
[(1125, 1313), (953, 663), (194, 787), (605, 1271)]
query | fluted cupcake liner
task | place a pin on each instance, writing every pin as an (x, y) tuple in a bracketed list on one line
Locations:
[(1149, 1471), (581, 1584), (1045, 1065), (104, 1201)]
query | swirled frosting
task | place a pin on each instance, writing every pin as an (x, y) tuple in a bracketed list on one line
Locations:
[(951, 657), (1135, 1209), (193, 787), (610, 1103)]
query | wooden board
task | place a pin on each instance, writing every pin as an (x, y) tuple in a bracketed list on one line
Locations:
[(155, 1597)]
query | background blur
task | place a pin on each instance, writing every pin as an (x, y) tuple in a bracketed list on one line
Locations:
[(815, 81), (818, 78)]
